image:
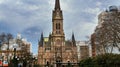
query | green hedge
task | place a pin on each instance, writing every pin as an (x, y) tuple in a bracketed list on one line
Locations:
[(37, 65), (106, 60)]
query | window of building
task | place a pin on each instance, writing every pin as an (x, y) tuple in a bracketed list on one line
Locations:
[(58, 26), (67, 48), (47, 49), (58, 32), (57, 49)]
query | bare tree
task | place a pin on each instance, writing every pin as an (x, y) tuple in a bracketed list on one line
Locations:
[(8, 37), (2, 37), (5, 38), (108, 35)]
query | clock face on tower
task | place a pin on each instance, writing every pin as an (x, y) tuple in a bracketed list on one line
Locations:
[(57, 14)]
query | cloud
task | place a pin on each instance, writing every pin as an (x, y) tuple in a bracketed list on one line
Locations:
[(33, 30), (31, 17), (15, 15), (98, 4), (2, 1), (94, 11)]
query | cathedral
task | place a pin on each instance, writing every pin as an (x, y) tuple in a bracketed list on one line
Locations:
[(55, 49)]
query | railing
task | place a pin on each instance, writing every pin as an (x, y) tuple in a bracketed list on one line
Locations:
[(63, 64)]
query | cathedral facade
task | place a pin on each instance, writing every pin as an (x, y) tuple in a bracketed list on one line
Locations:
[(55, 49)]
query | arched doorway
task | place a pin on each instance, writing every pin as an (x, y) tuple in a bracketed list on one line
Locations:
[(58, 61)]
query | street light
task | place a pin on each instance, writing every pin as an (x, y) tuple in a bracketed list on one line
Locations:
[(14, 53), (15, 58)]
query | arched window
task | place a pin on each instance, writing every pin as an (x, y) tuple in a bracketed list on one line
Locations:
[(58, 26)]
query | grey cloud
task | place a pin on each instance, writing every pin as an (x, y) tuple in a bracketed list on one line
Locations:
[(19, 14), (27, 16)]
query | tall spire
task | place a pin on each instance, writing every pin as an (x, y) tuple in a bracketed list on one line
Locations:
[(41, 40), (57, 5), (57, 20), (73, 39)]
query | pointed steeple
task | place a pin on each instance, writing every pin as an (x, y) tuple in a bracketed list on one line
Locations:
[(106, 10), (73, 39), (57, 20), (49, 36), (42, 36), (57, 4), (41, 40)]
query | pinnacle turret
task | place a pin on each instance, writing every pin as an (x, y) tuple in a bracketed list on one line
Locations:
[(41, 40), (73, 39)]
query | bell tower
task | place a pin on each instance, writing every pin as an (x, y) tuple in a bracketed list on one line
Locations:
[(54, 49), (57, 20), (58, 37)]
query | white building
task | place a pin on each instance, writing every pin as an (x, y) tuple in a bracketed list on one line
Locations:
[(108, 23), (82, 49), (17, 43)]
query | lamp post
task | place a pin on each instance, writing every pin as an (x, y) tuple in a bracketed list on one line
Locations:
[(14, 53), (15, 58)]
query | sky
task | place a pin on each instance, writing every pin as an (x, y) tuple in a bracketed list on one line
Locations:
[(32, 17)]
